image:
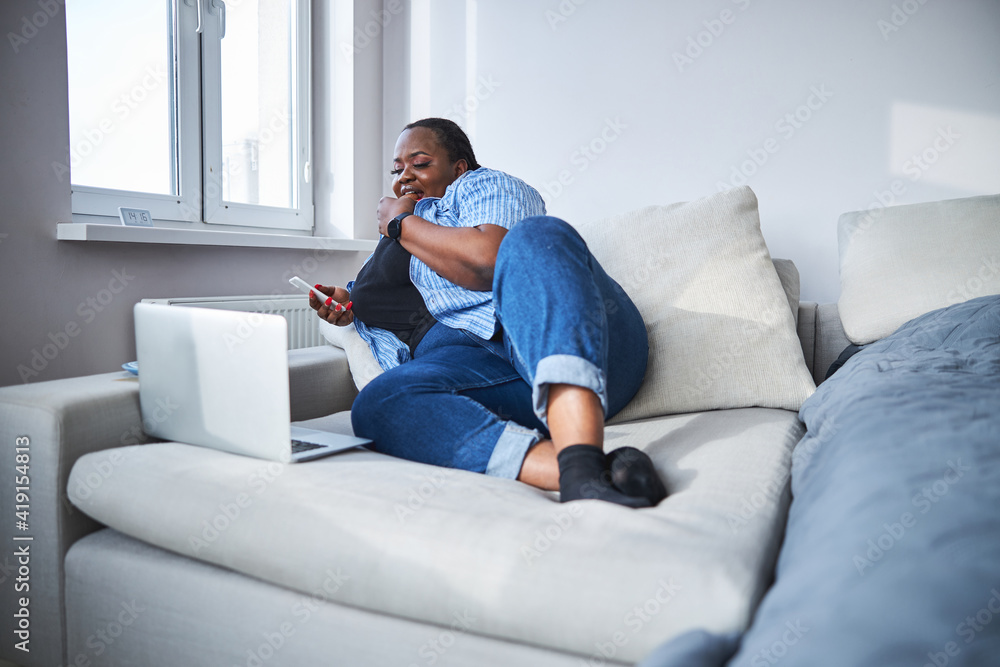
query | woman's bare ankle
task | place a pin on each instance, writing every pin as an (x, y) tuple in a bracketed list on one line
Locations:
[(540, 467)]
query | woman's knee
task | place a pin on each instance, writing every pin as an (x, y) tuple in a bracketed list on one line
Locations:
[(533, 240)]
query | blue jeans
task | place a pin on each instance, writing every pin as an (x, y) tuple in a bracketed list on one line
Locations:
[(480, 405)]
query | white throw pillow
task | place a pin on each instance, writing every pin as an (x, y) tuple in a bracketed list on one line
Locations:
[(900, 262), (364, 367), (721, 333)]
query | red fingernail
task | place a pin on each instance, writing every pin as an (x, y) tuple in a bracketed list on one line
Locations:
[(349, 304), (329, 300), (316, 285), (338, 308)]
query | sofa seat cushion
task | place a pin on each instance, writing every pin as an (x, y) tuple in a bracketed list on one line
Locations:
[(432, 544)]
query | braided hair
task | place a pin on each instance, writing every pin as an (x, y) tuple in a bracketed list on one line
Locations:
[(451, 137)]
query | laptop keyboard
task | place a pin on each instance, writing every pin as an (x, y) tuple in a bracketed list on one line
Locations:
[(298, 446)]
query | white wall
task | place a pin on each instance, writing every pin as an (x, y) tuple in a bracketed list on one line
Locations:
[(549, 78)]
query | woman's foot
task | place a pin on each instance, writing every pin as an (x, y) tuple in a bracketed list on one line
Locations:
[(584, 473), (633, 473)]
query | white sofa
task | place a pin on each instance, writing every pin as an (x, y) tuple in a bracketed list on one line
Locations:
[(167, 554)]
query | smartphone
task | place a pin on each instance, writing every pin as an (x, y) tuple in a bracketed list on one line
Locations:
[(307, 288)]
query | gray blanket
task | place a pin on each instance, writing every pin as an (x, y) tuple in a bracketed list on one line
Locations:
[(892, 549)]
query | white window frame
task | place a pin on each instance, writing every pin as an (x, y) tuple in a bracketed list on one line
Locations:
[(198, 95)]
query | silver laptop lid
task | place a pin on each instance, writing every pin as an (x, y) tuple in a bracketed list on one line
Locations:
[(214, 378)]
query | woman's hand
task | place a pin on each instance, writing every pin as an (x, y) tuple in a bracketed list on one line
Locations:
[(390, 207), (339, 311)]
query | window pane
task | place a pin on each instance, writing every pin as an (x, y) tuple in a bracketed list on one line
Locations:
[(258, 109), (121, 114)]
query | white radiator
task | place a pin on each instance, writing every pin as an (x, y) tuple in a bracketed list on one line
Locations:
[(303, 325)]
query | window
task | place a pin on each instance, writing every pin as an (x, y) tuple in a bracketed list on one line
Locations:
[(197, 110)]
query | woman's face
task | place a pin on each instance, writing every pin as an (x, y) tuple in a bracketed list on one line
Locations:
[(421, 167)]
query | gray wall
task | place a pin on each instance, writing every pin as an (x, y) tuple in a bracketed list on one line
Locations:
[(47, 283)]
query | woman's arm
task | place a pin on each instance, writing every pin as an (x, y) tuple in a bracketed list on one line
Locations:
[(463, 255)]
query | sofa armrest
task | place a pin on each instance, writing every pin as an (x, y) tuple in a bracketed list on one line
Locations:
[(65, 419), (830, 339), (320, 382), (61, 421), (806, 328)]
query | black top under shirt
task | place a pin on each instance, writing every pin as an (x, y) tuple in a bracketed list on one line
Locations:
[(385, 297)]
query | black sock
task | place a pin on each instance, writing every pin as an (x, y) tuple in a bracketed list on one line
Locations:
[(584, 473), (633, 473)]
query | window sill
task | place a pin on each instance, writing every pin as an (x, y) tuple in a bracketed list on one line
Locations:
[(86, 231)]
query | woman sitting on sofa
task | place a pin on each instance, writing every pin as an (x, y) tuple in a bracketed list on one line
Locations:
[(505, 344)]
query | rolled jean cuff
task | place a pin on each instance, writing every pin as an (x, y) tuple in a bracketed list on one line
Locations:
[(510, 450), (565, 369)]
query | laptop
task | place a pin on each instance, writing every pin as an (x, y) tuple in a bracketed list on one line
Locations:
[(219, 379)]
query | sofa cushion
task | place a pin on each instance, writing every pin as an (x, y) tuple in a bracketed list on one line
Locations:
[(423, 542), (900, 262), (721, 333)]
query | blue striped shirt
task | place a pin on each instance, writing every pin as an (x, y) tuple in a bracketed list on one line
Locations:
[(479, 197)]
